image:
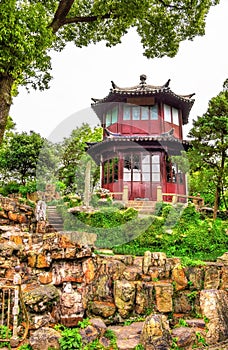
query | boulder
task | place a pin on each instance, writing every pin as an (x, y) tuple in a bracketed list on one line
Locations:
[(40, 298), (156, 333), (214, 305), (44, 339), (163, 296), (102, 308), (124, 296), (184, 337)]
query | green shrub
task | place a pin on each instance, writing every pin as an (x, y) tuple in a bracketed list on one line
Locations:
[(70, 339), (25, 347), (11, 187), (5, 333), (189, 236)]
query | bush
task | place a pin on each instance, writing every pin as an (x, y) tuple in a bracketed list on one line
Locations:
[(70, 339), (191, 236), (5, 333), (11, 187)]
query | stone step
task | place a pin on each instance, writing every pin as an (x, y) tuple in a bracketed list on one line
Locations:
[(142, 206), (55, 220)]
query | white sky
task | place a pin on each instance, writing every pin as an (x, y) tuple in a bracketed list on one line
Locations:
[(201, 66)]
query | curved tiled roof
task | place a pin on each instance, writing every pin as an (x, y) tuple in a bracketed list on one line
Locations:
[(97, 148), (162, 93)]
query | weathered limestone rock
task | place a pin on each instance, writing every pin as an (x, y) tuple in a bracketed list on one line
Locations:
[(7, 248), (71, 306), (83, 252), (163, 295), (22, 218), (156, 333), (45, 277), (102, 308), (128, 337), (158, 259), (37, 321), (67, 271), (88, 269), (182, 302), (101, 289), (184, 337), (40, 298), (32, 259), (212, 278), (128, 260), (146, 262), (195, 276), (71, 303), (89, 334), (41, 227), (82, 238), (196, 322), (131, 273), (144, 297), (43, 260), (214, 305), (179, 277), (124, 296), (44, 339), (3, 215), (223, 259), (99, 324), (111, 267), (17, 239), (224, 278)]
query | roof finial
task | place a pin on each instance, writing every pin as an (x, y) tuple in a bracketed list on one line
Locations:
[(143, 79)]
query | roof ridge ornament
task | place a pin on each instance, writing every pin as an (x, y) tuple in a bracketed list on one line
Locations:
[(166, 85), (143, 78)]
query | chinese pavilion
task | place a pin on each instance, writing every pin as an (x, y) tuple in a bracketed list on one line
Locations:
[(142, 130)]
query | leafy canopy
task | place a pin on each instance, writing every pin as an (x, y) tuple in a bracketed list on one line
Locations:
[(210, 144), (30, 28), (21, 154), (74, 157)]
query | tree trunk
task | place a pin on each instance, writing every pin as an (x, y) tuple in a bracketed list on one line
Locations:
[(6, 82), (216, 202)]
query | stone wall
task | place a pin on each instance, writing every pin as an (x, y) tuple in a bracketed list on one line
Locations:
[(14, 212), (63, 282)]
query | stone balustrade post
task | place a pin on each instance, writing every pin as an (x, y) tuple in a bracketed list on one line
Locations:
[(159, 194), (14, 341), (125, 193)]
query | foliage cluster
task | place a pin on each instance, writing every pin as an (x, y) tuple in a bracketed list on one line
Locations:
[(30, 29), (188, 235), (112, 226), (73, 158), (176, 231), (208, 155), (28, 161), (72, 339), (5, 333)]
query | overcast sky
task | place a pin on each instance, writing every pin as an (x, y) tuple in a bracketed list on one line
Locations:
[(201, 66)]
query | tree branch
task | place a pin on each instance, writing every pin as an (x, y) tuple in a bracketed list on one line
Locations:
[(60, 18), (60, 14), (170, 6), (86, 19)]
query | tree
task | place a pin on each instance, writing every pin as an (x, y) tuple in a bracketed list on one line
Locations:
[(210, 145), (74, 157), (22, 155), (29, 29)]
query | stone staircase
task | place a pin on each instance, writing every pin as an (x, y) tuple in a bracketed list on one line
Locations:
[(54, 219), (143, 207)]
